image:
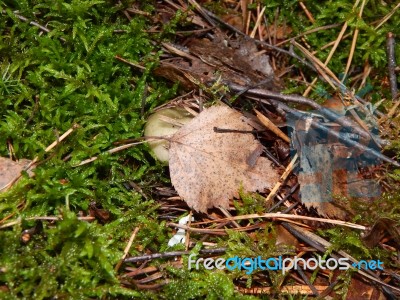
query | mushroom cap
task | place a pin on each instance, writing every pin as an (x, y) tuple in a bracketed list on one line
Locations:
[(164, 123)]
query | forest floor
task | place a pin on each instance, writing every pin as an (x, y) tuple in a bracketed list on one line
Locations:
[(87, 211)]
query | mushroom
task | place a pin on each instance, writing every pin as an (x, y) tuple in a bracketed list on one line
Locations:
[(164, 123)]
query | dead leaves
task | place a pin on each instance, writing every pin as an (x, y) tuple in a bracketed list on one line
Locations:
[(9, 170), (237, 61), (208, 168)]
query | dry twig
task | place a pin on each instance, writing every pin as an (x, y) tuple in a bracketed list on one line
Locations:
[(391, 58)]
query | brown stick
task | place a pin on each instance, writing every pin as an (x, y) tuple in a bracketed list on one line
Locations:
[(266, 94), (391, 57)]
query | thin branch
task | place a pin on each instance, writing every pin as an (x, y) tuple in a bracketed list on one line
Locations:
[(22, 18), (291, 53), (307, 281), (292, 190), (263, 95), (331, 115), (391, 58), (202, 11)]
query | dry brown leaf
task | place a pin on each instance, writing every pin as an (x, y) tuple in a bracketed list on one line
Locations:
[(208, 168), (9, 169), (280, 32)]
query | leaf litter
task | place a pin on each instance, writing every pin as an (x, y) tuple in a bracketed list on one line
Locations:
[(208, 168), (221, 50), (10, 169)]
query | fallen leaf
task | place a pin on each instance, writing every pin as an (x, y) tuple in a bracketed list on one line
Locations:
[(233, 20), (382, 227), (208, 168), (9, 169), (284, 237), (359, 289), (278, 32)]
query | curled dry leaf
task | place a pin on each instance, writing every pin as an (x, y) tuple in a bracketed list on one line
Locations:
[(208, 168)]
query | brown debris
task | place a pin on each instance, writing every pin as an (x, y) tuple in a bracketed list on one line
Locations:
[(204, 178), (205, 60), (9, 170)]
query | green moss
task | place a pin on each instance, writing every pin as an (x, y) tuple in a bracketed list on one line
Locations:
[(70, 76)]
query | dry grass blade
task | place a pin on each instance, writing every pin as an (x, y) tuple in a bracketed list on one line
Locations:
[(353, 44), (388, 16), (305, 33), (285, 174), (259, 19), (307, 12), (127, 248), (320, 67), (271, 126), (111, 151), (335, 45), (243, 5), (282, 217)]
